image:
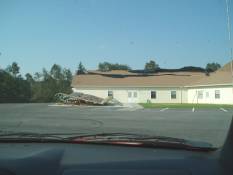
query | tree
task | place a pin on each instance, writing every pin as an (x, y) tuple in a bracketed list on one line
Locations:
[(41, 88), (29, 78), (67, 74), (13, 69), (13, 89), (56, 71), (47, 84), (46, 75), (151, 66), (106, 66), (211, 67), (81, 69), (117, 66), (37, 76)]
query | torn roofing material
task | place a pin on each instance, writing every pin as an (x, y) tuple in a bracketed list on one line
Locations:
[(121, 78)]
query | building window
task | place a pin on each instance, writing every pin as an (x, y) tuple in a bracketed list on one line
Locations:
[(207, 94), (200, 94), (110, 94), (129, 94), (217, 94), (173, 94), (153, 95), (135, 94)]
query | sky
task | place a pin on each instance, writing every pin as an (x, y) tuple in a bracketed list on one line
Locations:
[(174, 33)]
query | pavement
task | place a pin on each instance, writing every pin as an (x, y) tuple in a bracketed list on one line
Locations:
[(202, 125)]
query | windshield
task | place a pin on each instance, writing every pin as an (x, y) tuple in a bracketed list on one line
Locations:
[(154, 67)]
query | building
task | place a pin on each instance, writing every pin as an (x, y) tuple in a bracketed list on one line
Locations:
[(163, 87), (217, 88)]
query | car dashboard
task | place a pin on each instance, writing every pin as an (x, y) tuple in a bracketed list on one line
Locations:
[(85, 159)]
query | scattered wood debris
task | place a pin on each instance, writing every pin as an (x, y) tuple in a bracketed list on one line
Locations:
[(85, 99)]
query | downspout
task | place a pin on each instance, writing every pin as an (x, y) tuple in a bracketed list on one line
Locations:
[(193, 101), (181, 93)]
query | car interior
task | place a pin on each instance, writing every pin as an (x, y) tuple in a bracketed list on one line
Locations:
[(85, 159)]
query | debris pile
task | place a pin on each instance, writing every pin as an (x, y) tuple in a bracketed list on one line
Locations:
[(77, 98)]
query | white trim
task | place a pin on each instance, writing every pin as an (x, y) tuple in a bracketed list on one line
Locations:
[(209, 85)]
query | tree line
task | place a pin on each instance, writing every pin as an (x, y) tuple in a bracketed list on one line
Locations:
[(40, 87), (150, 66)]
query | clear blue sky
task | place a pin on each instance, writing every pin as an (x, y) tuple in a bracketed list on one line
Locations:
[(175, 33)]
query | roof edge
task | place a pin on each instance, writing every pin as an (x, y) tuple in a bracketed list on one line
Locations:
[(225, 84), (209, 85), (128, 86)]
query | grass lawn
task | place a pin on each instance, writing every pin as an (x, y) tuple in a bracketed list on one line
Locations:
[(184, 105)]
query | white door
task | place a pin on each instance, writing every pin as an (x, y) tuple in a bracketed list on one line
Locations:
[(132, 96)]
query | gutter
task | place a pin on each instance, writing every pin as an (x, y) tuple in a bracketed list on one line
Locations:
[(209, 85)]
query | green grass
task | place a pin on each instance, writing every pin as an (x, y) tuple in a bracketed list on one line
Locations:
[(184, 105)]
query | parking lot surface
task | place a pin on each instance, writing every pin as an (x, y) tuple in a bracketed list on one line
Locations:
[(210, 125)]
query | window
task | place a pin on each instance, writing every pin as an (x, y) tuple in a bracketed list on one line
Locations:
[(200, 94), (207, 94), (129, 94), (135, 94), (110, 94), (217, 94), (153, 94), (173, 94)]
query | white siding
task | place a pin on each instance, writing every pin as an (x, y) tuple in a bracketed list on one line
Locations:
[(163, 95), (226, 95)]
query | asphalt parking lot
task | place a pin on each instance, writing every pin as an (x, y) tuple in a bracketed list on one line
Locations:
[(209, 125)]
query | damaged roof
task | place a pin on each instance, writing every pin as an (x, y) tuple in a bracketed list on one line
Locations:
[(220, 77), (122, 78)]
